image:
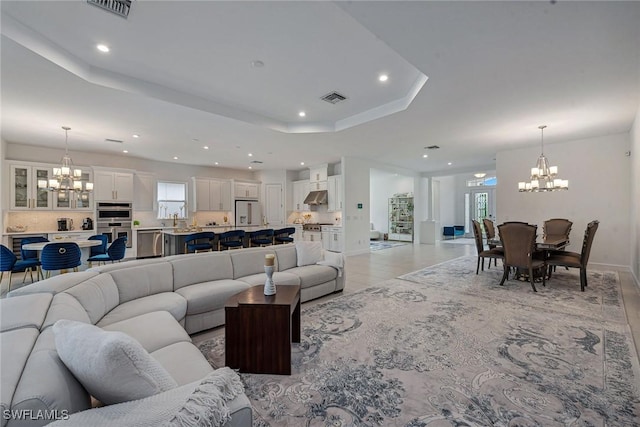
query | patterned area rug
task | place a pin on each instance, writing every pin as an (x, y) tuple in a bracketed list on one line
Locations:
[(378, 245), (456, 356)]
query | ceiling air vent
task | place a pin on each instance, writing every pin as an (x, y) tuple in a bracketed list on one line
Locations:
[(117, 141), (119, 7), (333, 97), (257, 162), (432, 147)]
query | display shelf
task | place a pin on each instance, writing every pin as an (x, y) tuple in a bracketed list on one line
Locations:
[(401, 218)]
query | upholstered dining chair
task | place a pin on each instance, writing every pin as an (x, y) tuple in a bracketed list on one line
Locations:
[(490, 232), (283, 235), (198, 242), (482, 252), (574, 259), (261, 237), (231, 239), (98, 250), (60, 256), (556, 227), (115, 252), (519, 242), (31, 255), (9, 262)]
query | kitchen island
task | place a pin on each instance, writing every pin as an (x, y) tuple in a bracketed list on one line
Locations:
[(174, 237)]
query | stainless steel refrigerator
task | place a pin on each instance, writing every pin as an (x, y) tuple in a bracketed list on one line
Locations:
[(248, 213)]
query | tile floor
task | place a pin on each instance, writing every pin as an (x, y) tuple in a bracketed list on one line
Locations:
[(369, 269)]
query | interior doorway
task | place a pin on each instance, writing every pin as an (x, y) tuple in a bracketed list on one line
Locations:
[(479, 204)]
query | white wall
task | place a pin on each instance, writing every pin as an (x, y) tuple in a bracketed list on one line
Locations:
[(450, 206), (384, 185), (599, 177), (635, 198), (355, 222)]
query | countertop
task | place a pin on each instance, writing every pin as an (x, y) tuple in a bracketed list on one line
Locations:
[(29, 232)]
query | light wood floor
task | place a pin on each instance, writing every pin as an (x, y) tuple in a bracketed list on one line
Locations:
[(375, 267)]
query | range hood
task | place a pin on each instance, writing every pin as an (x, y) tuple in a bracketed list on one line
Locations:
[(316, 198)]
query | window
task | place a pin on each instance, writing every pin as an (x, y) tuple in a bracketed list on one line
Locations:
[(481, 182), (172, 199)]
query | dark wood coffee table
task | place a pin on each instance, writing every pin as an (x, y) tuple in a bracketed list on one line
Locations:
[(259, 330)]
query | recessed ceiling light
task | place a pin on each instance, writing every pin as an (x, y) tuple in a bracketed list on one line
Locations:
[(256, 63), (206, 147), (449, 163), (216, 163), (250, 167), (102, 48), (301, 163), (135, 135), (479, 175), (125, 151), (302, 114), (175, 157), (424, 156), (250, 154), (383, 77)]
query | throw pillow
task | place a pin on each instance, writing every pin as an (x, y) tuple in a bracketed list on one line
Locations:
[(308, 253), (207, 405), (112, 366)]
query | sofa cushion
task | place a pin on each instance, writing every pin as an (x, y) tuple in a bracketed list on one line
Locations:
[(47, 384), (247, 262), (112, 366), (279, 278), (65, 306), (141, 327), (24, 311), (15, 347), (312, 275), (54, 284), (286, 257), (98, 295), (308, 253), (172, 302), (198, 268), (209, 296), (140, 281), (183, 361)]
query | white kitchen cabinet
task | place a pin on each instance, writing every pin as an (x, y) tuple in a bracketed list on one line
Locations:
[(332, 238), (300, 192), (112, 185), (212, 194), (312, 236), (298, 235), (25, 194), (318, 185), (334, 193), (246, 190), (318, 173), (144, 186)]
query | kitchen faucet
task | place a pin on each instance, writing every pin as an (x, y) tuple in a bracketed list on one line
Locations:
[(175, 219)]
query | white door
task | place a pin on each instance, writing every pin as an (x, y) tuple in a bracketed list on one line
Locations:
[(482, 205), (274, 205)]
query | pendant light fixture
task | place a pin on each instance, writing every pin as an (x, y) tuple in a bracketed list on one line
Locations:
[(543, 176), (66, 178)]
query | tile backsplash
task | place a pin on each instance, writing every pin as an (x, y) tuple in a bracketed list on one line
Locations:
[(45, 221)]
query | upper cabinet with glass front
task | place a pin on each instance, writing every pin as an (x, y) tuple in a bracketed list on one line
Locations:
[(25, 194)]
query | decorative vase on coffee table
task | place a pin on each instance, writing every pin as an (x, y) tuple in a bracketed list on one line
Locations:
[(269, 286)]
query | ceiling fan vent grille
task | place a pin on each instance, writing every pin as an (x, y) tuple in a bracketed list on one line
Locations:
[(119, 7), (333, 97), (117, 141)]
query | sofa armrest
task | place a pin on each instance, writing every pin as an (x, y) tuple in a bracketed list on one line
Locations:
[(153, 411)]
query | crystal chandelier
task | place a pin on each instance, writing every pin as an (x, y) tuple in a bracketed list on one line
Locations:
[(66, 178), (543, 176)]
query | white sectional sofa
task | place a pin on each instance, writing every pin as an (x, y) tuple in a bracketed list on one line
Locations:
[(158, 302)]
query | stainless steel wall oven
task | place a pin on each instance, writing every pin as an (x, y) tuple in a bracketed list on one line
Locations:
[(114, 220)]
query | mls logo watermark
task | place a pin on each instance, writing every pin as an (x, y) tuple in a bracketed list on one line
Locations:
[(31, 414)]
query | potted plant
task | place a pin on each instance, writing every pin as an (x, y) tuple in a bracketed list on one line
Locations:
[(136, 223)]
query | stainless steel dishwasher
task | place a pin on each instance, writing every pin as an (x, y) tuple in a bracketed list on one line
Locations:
[(149, 243)]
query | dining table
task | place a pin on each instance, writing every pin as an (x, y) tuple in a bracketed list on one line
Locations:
[(544, 244), (84, 245)]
